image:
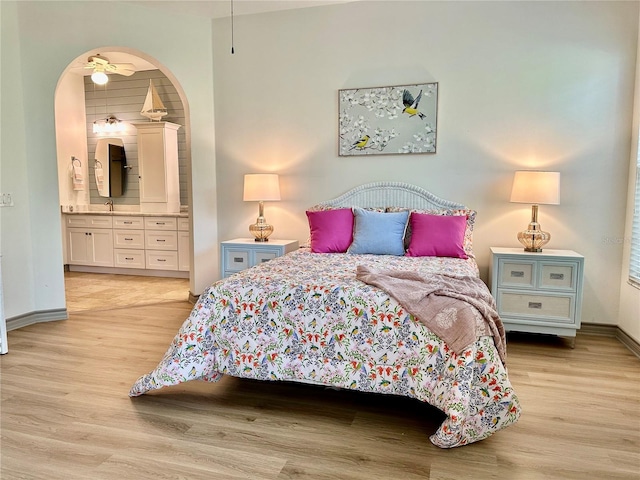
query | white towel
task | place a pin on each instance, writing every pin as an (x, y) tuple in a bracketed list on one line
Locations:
[(77, 177), (99, 177)]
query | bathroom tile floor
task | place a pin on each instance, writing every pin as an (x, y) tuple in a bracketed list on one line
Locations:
[(97, 291)]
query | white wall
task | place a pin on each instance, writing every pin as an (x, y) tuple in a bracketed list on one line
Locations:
[(522, 85), (70, 119), (39, 40), (629, 314)]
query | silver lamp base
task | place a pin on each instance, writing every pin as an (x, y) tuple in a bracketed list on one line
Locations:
[(533, 238), (261, 229)]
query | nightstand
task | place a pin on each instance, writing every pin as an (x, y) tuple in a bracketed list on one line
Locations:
[(538, 292), (241, 253)]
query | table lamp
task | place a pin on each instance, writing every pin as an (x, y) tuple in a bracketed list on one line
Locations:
[(536, 188), (261, 187)]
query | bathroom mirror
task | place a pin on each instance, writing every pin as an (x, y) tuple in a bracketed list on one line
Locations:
[(110, 167)]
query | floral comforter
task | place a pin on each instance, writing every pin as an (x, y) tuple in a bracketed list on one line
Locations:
[(304, 317)]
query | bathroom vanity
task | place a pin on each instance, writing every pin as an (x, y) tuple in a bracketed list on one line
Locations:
[(128, 243)]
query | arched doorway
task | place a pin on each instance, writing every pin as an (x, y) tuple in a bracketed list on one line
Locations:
[(79, 105)]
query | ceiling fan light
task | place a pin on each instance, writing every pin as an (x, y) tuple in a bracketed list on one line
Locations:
[(99, 78)]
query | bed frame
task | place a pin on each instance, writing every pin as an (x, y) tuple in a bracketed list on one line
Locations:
[(391, 194)]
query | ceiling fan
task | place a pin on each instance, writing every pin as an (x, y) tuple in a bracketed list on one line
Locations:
[(101, 66)]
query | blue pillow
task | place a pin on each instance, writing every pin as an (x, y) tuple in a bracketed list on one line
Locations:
[(378, 233)]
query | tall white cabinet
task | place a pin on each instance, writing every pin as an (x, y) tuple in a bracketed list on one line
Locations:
[(158, 167)]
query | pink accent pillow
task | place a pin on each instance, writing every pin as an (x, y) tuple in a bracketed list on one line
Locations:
[(331, 230), (437, 236)]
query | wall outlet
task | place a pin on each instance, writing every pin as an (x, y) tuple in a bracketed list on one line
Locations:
[(6, 200)]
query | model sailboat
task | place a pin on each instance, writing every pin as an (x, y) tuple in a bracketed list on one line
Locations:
[(153, 107)]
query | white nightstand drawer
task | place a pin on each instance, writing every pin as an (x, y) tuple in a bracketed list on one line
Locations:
[(129, 258), (128, 222), (162, 260), (161, 223), (265, 256), (128, 239), (157, 240), (236, 260), (556, 307), (516, 274), (558, 276)]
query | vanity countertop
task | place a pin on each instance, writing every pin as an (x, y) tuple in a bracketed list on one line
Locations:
[(128, 214)]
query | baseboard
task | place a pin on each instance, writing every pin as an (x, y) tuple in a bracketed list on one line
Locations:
[(193, 298), (36, 317), (129, 271), (612, 331)]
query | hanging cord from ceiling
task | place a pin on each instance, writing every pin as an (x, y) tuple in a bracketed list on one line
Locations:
[(232, 49)]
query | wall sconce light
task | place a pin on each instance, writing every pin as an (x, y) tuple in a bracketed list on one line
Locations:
[(108, 125), (537, 188), (261, 187)]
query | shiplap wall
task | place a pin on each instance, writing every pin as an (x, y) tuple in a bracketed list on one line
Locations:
[(123, 97)]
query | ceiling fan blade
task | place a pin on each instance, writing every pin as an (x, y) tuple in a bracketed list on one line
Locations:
[(126, 69)]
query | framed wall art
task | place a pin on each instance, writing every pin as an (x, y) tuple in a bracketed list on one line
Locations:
[(388, 120)]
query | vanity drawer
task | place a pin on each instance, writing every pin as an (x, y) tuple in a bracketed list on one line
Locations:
[(128, 239), (162, 260), (160, 223), (183, 224), (128, 222), (129, 258), (93, 221), (539, 307), (159, 240), (516, 273)]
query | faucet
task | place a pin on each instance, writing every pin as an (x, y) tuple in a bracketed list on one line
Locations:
[(110, 203)]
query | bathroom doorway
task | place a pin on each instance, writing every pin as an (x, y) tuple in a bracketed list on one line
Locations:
[(84, 113)]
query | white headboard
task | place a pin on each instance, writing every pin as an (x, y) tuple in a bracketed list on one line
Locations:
[(391, 194)]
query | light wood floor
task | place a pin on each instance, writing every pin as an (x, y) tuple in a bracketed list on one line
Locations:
[(65, 414), (90, 291)]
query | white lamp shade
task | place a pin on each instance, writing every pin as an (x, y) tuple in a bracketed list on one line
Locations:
[(534, 187), (260, 187)]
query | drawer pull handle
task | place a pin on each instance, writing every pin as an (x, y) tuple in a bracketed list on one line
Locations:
[(537, 305), (238, 259), (556, 276), (128, 239), (264, 260), (159, 223), (517, 273), (160, 240), (162, 259), (128, 258), (127, 223)]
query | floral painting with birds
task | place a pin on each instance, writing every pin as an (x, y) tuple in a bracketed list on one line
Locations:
[(388, 120)]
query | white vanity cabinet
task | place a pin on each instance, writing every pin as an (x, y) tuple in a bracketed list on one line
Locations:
[(136, 244), (90, 240), (158, 167)]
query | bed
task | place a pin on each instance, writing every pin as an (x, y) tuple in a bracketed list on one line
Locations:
[(327, 318)]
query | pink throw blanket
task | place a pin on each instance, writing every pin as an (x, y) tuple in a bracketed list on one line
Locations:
[(442, 303)]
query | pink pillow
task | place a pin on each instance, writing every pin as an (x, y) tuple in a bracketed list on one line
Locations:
[(331, 230), (437, 236)]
